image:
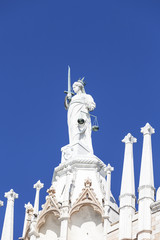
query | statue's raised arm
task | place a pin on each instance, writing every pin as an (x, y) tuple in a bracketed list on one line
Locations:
[(79, 121)]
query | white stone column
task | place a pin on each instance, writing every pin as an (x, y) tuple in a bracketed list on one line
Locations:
[(7, 231), (108, 170), (127, 194), (29, 208), (65, 207), (146, 186), (38, 187)]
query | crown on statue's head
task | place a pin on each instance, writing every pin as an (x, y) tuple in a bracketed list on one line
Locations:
[(81, 80)]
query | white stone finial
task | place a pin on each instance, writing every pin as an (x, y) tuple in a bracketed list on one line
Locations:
[(1, 203), (11, 195), (7, 231), (109, 169), (147, 129), (38, 187), (129, 139)]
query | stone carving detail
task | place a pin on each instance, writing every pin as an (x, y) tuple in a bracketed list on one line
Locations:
[(79, 122), (67, 153), (81, 160), (87, 197), (51, 206), (29, 215)]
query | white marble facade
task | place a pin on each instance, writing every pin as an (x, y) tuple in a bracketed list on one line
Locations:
[(79, 203)]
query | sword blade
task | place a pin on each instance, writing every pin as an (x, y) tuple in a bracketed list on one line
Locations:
[(69, 81)]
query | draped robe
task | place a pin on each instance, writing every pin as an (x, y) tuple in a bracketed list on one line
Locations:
[(79, 108)]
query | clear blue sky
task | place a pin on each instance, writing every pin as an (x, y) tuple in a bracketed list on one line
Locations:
[(115, 45)]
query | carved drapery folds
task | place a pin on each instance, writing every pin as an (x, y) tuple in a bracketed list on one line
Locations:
[(87, 197)]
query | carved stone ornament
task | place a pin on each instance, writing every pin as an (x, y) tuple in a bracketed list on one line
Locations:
[(29, 211), (87, 197), (88, 183), (33, 229), (67, 153), (50, 207), (51, 191)]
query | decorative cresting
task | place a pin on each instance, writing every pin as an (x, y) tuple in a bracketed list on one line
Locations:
[(50, 207), (87, 197)]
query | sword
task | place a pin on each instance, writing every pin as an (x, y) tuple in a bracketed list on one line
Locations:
[(69, 93)]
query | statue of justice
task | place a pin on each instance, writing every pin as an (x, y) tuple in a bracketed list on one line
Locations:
[(79, 119)]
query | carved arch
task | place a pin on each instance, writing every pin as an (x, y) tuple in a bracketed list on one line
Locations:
[(50, 207), (87, 197)]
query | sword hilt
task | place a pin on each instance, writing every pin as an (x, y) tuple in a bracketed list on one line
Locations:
[(68, 92)]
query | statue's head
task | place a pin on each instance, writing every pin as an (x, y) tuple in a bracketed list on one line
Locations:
[(79, 86)]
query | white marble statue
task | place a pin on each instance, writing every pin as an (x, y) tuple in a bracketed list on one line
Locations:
[(79, 121)]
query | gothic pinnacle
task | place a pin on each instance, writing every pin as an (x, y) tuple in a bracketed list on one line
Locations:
[(127, 185), (146, 185), (7, 231), (127, 195), (38, 187)]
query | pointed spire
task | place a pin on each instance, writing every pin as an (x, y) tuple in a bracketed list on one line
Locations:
[(146, 185), (146, 174), (127, 195), (128, 185), (7, 231), (38, 187)]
